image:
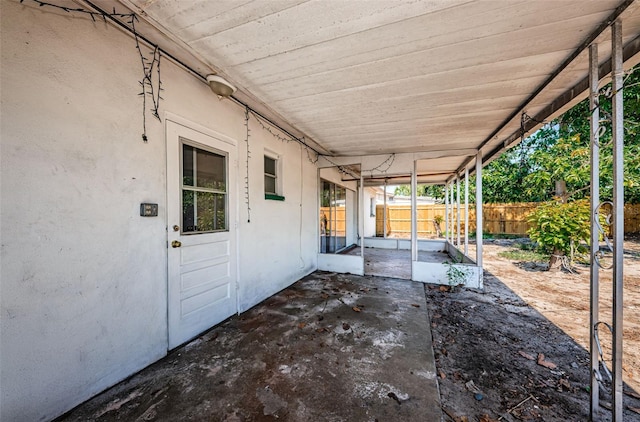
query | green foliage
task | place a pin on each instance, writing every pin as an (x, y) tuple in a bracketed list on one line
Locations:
[(433, 191), (457, 275), (560, 151), (523, 255), (557, 226)]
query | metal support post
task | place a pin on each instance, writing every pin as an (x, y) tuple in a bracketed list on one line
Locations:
[(361, 212), (384, 211), (595, 233), (466, 211), (617, 73), (458, 207), (479, 215), (452, 220), (414, 214), (446, 212)]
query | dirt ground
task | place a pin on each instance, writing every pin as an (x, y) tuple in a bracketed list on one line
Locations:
[(487, 345)]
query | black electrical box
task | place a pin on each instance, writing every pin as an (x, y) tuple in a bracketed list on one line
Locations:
[(149, 210)]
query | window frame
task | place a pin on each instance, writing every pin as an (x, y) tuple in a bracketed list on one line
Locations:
[(333, 197), (197, 146), (277, 177)]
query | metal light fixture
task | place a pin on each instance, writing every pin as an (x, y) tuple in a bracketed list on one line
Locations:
[(220, 86)]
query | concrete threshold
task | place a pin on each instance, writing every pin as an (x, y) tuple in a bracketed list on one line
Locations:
[(332, 347)]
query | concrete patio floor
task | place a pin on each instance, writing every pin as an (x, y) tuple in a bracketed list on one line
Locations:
[(394, 263), (332, 347)]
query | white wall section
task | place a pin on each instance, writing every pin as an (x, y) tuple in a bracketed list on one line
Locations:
[(83, 291)]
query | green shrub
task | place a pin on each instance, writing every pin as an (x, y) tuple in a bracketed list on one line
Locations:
[(523, 255), (557, 226)]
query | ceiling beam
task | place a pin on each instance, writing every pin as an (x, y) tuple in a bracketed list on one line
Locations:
[(343, 160)]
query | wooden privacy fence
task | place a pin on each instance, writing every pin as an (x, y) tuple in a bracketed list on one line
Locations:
[(508, 219), (333, 220)]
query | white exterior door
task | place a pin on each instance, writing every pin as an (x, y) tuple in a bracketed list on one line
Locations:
[(201, 224)]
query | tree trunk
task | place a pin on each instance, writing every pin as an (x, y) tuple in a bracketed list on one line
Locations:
[(561, 190), (438, 229), (555, 261)]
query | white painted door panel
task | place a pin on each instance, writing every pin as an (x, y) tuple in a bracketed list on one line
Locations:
[(201, 257)]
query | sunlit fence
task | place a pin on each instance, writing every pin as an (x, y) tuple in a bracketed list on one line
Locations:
[(509, 219), (333, 220)]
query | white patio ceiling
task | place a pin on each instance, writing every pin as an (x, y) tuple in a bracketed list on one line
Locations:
[(384, 76)]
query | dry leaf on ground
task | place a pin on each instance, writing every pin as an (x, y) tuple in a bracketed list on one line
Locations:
[(526, 355), (545, 363)]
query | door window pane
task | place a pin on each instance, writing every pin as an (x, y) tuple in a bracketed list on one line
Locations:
[(188, 211), (204, 196), (203, 211), (187, 165), (211, 171)]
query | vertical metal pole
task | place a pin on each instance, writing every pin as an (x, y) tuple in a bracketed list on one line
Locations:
[(414, 214), (452, 220), (466, 211), (617, 74), (479, 215), (446, 212), (595, 234), (319, 205), (332, 218), (361, 218), (458, 206), (384, 211)]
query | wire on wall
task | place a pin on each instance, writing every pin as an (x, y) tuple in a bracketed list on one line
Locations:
[(91, 13), (150, 88), (246, 178), (303, 144), (312, 155), (147, 82)]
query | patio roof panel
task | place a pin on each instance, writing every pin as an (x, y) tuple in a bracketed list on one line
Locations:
[(393, 76)]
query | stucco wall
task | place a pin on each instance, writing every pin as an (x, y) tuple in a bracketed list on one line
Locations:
[(280, 243), (369, 221), (83, 291)]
